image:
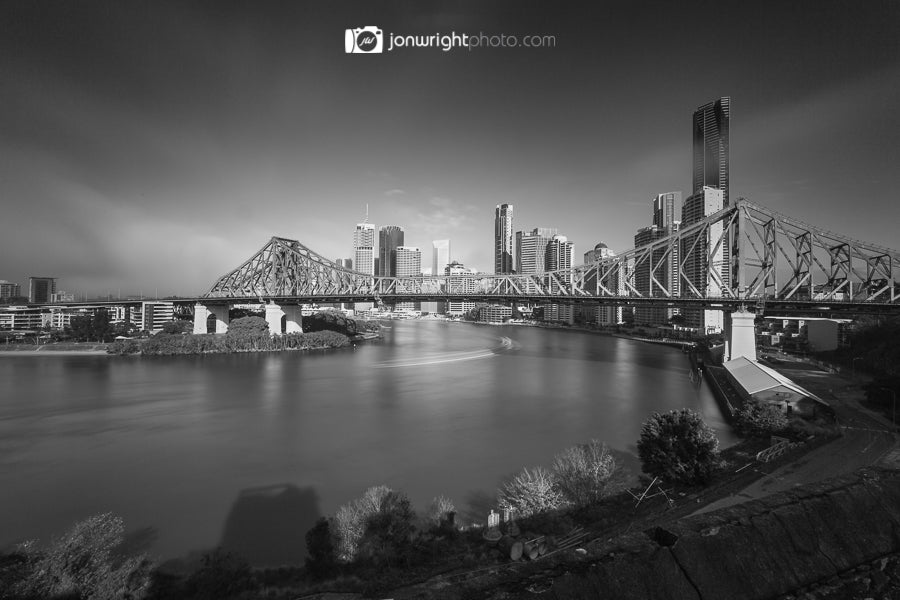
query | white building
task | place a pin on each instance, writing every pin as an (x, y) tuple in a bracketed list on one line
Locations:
[(364, 255)]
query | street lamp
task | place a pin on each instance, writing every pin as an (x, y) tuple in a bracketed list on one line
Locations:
[(893, 404)]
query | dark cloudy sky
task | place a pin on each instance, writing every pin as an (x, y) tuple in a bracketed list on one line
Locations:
[(156, 145)]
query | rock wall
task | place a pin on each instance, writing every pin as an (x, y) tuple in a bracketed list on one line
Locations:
[(757, 550)]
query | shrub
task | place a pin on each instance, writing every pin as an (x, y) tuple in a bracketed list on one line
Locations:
[(760, 419), (83, 564), (178, 327), (531, 491), (678, 447), (583, 473)]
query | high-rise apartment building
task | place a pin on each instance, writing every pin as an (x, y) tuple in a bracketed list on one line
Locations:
[(711, 140), (41, 289), (531, 249), (390, 237), (705, 257), (503, 239)]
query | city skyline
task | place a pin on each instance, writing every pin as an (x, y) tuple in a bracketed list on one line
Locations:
[(158, 148)]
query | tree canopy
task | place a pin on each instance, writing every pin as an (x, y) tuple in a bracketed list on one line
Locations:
[(678, 446)]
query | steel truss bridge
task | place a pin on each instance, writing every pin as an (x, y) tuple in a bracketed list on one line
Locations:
[(745, 255)]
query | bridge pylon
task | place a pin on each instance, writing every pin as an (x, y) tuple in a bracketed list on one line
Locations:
[(740, 334)]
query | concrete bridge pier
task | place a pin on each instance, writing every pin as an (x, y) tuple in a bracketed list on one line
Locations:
[(202, 313), (284, 319), (740, 334), (294, 320)]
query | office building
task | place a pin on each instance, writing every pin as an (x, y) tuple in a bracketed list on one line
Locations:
[(364, 255), (151, 316), (41, 289), (459, 280), (8, 291), (609, 280), (531, 249), (711, 141), (390, 237), (560, 257), (344, 263), (705, 257), (440, 256), (503, 239), (409, 264)]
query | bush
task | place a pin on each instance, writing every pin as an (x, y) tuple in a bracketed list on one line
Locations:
[(757, 418), (678, 447), (531, 491), (583, 473), (83, 564)]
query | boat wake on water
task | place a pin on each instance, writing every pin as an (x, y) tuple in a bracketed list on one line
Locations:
[(506, 345)]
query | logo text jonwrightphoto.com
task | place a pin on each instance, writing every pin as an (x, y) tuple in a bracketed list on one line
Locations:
[(371, 40)]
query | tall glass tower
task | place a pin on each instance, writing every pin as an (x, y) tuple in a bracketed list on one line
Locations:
[(503, 239), (711, 125), (390, 237)]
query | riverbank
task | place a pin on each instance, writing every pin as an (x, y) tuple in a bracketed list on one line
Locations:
[(61, 349)]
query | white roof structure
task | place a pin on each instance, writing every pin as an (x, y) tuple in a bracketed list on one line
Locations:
[(755, 378)]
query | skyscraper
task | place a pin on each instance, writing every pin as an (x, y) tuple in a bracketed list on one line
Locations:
[(390, 237), (440, 256), (8, 290), (364, 255), (409, 264), (503, 239), (40, 289), (705, 256), (560, 256), (531, 249), (363, 248), (711, 140)]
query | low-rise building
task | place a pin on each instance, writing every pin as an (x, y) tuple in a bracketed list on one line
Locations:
[(752, 380)]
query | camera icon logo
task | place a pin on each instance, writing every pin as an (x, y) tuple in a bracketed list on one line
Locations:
[(363, 40)]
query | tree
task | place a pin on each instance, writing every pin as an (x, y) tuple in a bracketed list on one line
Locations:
[(583, 473), (320, 562), (439, 510), (760, 419), (531, 491), (178, 327), (678, 447), (388, 531), (248, 326)]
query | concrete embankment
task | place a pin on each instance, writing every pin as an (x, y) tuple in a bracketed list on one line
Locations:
[(757, 550)]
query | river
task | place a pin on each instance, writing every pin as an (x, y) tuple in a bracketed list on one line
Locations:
[(247, 450)]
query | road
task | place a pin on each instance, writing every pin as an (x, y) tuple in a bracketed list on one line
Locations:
[(867, 439)]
